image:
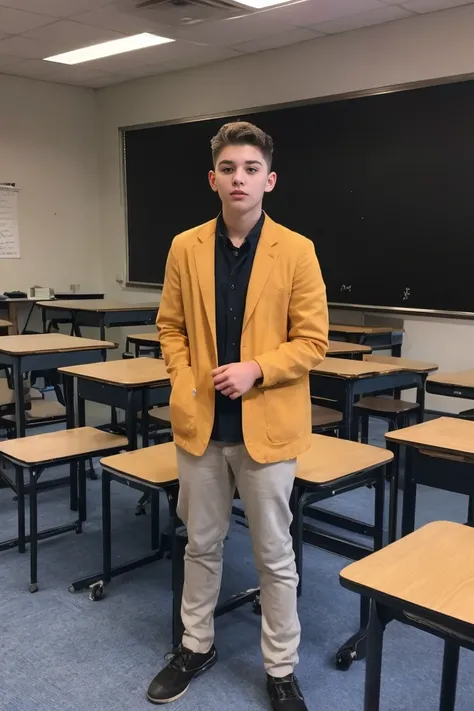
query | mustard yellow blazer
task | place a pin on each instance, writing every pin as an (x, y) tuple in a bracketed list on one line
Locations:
[(285, 329)]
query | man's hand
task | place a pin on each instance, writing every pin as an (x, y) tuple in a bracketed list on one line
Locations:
[(236, 379)]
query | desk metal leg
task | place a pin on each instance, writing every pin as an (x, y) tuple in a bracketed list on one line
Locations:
[(20, 419), (420, 398), (102, 328), (393, 473), (450, 675), (34, 473), (106, 527), (409, 495), (131, 422), (373, 669), (20, 492)]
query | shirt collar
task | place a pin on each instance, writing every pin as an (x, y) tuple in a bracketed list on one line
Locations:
[(253, 235)]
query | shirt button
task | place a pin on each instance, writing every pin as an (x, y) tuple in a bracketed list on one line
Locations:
[(231, 309), (232, 286)]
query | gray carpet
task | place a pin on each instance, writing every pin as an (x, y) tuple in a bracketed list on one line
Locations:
[(60, 651)]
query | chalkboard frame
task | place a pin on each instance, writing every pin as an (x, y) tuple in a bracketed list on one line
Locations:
[(346, 96)]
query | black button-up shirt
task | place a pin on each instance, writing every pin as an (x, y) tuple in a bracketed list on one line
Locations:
[(233, 266)]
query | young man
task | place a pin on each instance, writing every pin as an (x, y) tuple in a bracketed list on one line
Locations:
[(242, 320)]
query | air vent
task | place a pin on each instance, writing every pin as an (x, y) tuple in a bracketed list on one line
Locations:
[(182, 12)]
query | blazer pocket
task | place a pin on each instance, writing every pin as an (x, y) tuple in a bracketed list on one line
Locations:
[(285, 411), (183, 403)]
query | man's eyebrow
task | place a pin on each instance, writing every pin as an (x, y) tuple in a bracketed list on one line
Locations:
[(247, 162)]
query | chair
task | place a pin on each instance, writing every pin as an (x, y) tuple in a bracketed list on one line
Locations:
[(398, 413), (423, 580)]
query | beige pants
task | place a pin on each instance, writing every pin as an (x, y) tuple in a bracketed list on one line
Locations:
[(207, 487)]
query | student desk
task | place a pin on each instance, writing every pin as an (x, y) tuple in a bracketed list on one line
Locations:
[(99, 313), (423, 368), (440, 454), (132, 385), (44, 351), (144, 340), (379, 338), (344, 380), (4, 326), (460, 384), (341, 349), (424, 580)]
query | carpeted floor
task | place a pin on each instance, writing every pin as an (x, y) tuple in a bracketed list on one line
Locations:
[(61, 652)]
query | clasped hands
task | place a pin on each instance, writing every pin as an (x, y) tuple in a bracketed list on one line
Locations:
[(236, 379)]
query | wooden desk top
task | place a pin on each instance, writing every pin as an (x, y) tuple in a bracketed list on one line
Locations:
[(363, 330), (156, 464), (459, 379), (145, 337), (35, 344), (133, 372), (446, 434), (97, 305), (50, 446), (342, 347), (432, 568), (351, 369), (416, 366), (332, 458), (5, 324)]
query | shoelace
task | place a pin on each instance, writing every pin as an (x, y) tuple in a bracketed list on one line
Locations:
[(177, 659), (287, 689)]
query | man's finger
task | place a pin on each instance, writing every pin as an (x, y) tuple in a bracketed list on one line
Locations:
[(219, 370), (230, 391), (234, 395), (221, 378)]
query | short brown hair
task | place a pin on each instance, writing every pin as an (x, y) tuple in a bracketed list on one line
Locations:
[(243, 133)]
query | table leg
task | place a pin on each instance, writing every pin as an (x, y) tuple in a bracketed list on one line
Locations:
[(373, 669), (450, 675), (409, 495), (102, 328), (420, 398), (131, 421), (106, 527), (34, 473), (20, 420), (20, 492)]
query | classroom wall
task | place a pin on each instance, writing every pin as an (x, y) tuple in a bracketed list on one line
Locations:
[(48, 147), (419, 48)]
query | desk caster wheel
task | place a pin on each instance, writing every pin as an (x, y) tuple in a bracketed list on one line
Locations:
[(33, 587), (344, 659), (71, 589), (96, 591), (256, 606)]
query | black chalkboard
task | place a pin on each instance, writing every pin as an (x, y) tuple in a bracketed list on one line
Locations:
[(382, 184)]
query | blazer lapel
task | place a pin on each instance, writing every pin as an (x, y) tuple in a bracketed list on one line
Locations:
[(204, 257), (262, 266)]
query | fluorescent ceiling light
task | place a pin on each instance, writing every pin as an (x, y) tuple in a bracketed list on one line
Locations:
[(108, 49), (262, 4)]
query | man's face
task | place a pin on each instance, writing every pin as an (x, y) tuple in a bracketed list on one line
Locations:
[(241, 178)]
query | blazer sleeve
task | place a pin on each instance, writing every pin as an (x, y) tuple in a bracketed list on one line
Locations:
[(308, 325), (171, 321)]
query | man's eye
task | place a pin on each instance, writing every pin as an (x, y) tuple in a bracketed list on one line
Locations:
[(252, 170)]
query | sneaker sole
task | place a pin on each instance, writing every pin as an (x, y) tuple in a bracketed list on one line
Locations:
[(205, 668)]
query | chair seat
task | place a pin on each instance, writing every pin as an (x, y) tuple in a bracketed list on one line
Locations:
[(154, 465), (324, 416), (51, 447), (42, 410), (385, 406), (160, 415), (330, 459)]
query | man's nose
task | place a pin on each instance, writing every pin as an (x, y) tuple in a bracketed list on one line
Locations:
[(238, 178)]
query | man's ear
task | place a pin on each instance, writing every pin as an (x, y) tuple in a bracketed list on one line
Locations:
[(212, 180), (271, 182)]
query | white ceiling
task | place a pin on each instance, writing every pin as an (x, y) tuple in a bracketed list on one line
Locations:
[(33, 29)]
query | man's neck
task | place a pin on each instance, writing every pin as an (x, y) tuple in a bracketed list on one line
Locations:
[(238, 226)]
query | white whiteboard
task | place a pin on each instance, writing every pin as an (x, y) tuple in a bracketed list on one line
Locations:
[(9, 236)]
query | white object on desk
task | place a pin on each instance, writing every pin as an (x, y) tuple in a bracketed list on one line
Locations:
[(9, 237), (40, 292)]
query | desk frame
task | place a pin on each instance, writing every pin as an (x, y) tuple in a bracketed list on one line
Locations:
[(392, 341), (96, 318)]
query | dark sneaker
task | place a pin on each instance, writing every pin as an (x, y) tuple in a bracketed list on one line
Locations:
[(173, 681), (285, 694)]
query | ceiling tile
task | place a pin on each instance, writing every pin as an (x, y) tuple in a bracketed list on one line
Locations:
[(364, 19), (13, 22), (55, 8), (74, 34), (27, 48), (312, 12), (33, 68), (112, 19), (278, 40), (433, 5), (236, 29)]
